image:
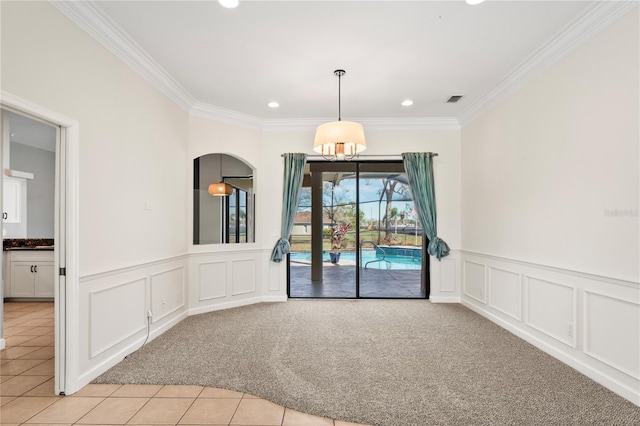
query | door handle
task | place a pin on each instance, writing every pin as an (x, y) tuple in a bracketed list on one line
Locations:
[(5, 215), (35, 269), (32, 269)]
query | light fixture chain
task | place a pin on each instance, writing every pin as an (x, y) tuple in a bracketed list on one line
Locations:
[(339, 73), (339, 97)]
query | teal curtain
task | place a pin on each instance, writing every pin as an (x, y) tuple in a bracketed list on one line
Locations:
[(293, 174), (419, 168)]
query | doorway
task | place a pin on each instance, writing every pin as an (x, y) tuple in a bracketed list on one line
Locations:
[(356, 234), (56, 271)]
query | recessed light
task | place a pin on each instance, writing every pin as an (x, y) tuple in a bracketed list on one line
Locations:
[(229, 4), (474, 2), (407, 102), (273, 104)]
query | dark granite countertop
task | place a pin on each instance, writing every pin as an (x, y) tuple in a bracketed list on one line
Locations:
[(37, 248), (27, 244)]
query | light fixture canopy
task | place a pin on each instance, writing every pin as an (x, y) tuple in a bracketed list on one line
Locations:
[(339, 140)]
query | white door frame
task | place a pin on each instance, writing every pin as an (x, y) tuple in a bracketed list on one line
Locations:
[(66, 230)]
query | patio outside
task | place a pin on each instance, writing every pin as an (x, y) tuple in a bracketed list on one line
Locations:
[(389, 247)]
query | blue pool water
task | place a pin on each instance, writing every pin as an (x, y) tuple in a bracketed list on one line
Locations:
[(396, 258)]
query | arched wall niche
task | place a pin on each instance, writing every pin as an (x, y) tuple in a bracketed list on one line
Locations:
[(223, 219)]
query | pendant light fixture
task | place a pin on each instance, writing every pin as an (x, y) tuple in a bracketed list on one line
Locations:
[(339, 140), (220, 189)]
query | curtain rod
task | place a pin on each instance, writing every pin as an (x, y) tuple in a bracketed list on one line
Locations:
[(388, 157)]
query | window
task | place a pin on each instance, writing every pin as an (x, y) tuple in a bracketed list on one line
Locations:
[(236, 223)]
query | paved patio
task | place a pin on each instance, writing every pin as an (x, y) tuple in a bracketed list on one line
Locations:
[(339, 281)]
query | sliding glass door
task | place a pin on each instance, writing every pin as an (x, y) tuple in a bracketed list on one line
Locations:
[(323, 251), (356, 234)]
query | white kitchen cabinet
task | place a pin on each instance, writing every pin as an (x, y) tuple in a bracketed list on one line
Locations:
[(5, 273), (31, 274), (11, 200)]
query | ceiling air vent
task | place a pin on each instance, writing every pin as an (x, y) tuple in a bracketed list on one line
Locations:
[(454, 99)]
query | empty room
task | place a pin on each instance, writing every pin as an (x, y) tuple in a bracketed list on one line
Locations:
[(320, 212)]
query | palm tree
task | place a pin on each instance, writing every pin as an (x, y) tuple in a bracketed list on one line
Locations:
[(391, 186)]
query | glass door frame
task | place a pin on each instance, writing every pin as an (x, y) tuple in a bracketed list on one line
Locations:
[(327, 166)]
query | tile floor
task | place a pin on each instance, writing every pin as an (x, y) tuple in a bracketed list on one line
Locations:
[(27, 389)]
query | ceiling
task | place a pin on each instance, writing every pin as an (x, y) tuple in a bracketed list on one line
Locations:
[(238, 60)]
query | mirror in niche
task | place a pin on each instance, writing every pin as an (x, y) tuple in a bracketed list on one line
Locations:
[(223, 200)]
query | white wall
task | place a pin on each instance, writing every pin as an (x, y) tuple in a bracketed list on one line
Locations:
[(132, 137), (40, 189), (133, 179), (541, 172), (530, 185), (227, 275), (213, 280), (445, 284)]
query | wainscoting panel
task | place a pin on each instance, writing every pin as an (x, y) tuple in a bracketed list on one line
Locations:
[(474, 280), (244, 276), (604, 339), (589, 322), (115, 314), (447, 275), (446, 281), (230, 277), (212, 280), (551, 309), (167, 292), (275, 271), (505, 292)]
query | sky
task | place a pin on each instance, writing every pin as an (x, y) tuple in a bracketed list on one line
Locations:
[(370, 194)]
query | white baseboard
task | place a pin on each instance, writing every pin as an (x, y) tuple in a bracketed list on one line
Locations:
[(117, 357), (275, 298), (167, 325), (617, 387), (440, 299), (224, 305), (236, 304)]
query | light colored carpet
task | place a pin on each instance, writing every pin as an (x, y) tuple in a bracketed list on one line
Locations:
[(382, 362)]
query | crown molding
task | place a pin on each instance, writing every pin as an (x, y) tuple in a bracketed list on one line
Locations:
[(293, 124), (212, 112), (421, 123), (573, 35), (374, 124), (98, 25)]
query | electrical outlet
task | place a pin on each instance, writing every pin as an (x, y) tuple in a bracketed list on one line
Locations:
[(163, 303), (570, 330)]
